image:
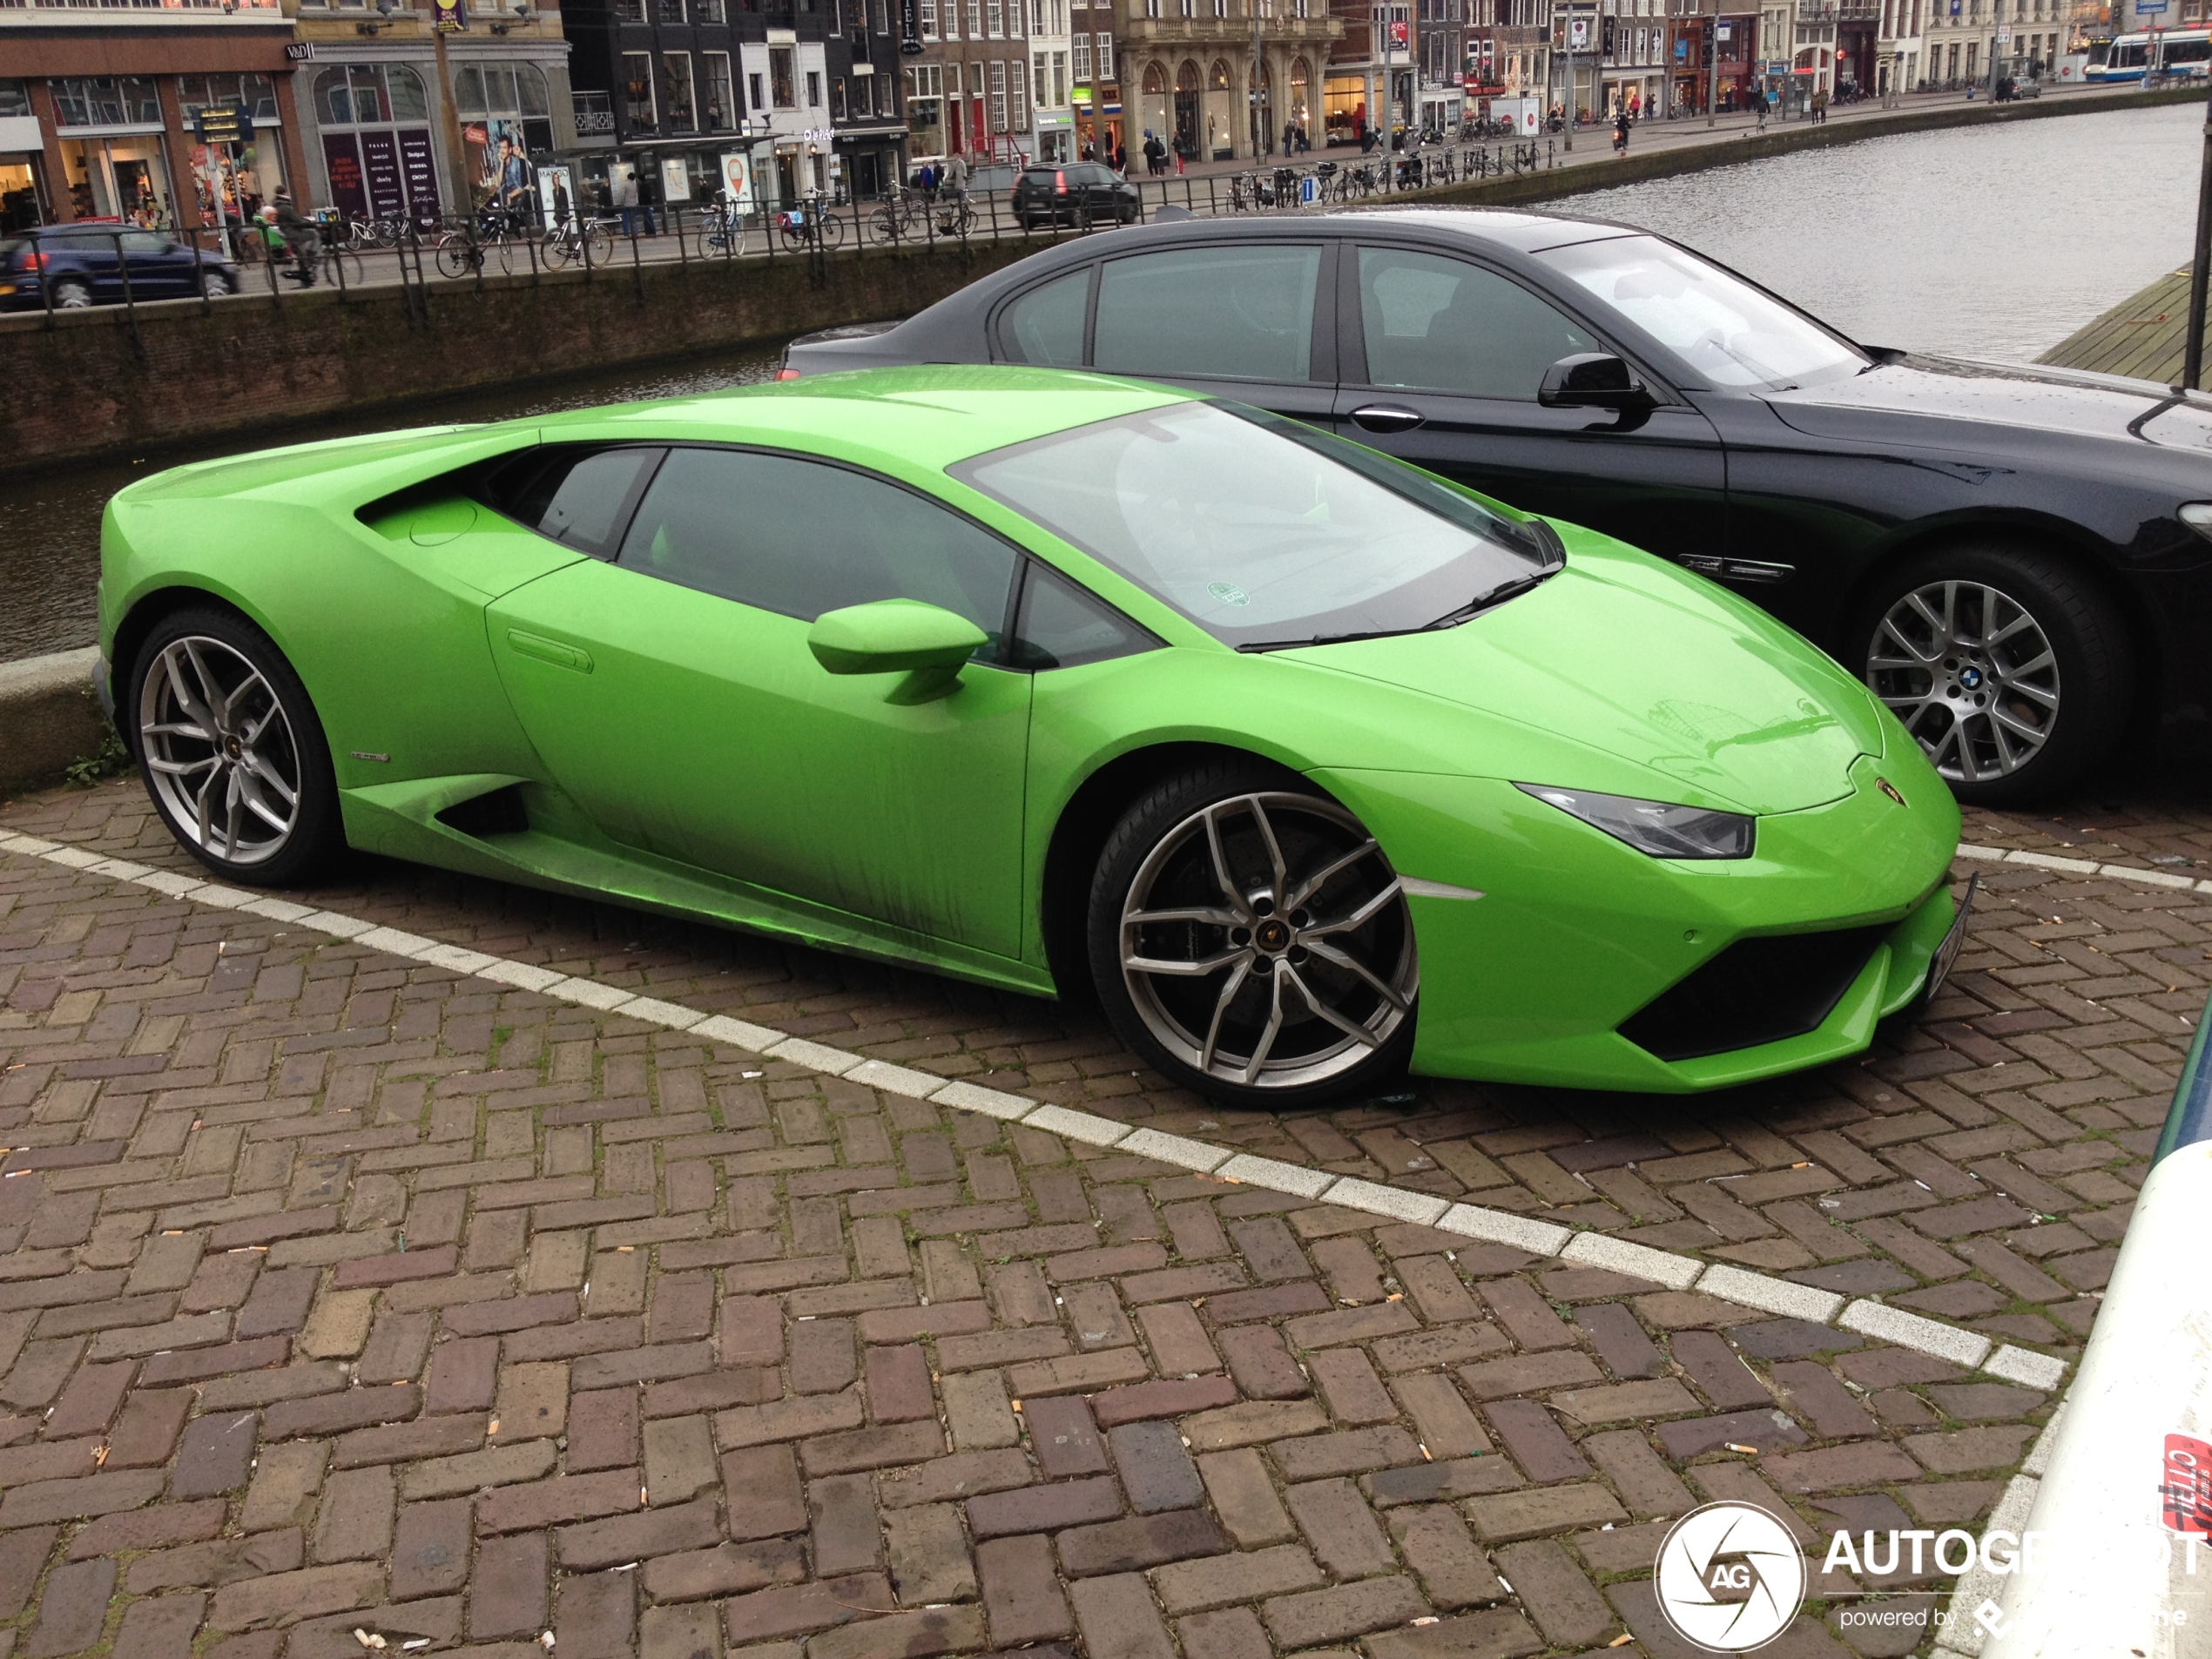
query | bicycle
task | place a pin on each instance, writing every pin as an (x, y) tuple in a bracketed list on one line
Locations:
[(899, 215), (811, 222), (955, 217), (463, 252), (569, 241), (335, 260)]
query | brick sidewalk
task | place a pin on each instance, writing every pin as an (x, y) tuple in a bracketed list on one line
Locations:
[(343, 1293)]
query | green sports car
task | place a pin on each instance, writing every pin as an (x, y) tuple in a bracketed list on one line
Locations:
[(1310, 765)]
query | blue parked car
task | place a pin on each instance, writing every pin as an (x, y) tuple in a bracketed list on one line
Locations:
[(80, 264)]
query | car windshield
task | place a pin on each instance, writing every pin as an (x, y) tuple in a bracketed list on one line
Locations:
[(1720, 325), (1263, 531)]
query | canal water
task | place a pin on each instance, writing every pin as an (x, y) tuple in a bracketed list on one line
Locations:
[(1989, 241)]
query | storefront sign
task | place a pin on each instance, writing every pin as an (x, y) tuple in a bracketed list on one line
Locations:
[(451, 15), (909, 28), (300, 51), (421, 172), (222, 124), (380, 174)]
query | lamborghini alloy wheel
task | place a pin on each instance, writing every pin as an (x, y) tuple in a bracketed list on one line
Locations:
[(232, 752), (1260, 944)]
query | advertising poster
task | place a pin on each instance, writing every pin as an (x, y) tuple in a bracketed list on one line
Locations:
[(675, 180), (498, 164), (380, 174), (341, 155), (737, 180), (451, 15), (556, 185), (420, 172)]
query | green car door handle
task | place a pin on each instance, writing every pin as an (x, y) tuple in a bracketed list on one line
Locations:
[(549, 650)]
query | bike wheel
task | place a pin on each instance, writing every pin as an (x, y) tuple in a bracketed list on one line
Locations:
[(343, 267), (555, 248), (502, 254), (884, 222), (832, 231), (453, 262)]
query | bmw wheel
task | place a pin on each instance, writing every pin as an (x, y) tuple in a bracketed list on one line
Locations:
[(2010, 668), (232, 751), (1250, 938)]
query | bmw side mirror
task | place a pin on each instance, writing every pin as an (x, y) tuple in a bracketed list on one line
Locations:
[(896, 636), (1593, 379)]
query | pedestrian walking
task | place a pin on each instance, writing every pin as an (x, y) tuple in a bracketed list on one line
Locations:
[(1820, 106), (1759, 107), (625, 202), (955, 177)]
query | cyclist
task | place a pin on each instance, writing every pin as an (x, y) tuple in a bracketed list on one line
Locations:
[(295, 236)]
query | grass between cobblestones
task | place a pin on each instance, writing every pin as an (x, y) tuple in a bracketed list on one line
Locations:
[(344, 1291)]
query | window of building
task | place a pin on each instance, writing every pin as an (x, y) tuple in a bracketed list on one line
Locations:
[(676, 70), (637, 90), (975, 19), (998, 95), (107, 101), (1058, 79), (668, 11), (1106, 54), (256, 93), (997, 9), (720, 105), (364, 95), (708, 12), (1036, 72), (783, 70), (929, 19), (15, 99), (1082, 60), (758, 99), (813, 89), (1017, 89)]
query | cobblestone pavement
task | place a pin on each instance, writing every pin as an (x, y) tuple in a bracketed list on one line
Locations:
[(342, 1293)]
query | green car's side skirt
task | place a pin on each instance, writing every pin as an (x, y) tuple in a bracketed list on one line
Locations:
[(401, 820)]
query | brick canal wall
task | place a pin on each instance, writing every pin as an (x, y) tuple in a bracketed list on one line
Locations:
[(93, 385)]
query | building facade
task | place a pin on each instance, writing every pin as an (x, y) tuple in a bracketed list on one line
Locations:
[(400, 119), (969, 87), (96, 107), (803, 94), (1219, 79), (1963, 38)]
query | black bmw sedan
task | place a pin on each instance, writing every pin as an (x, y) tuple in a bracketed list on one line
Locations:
[(2018, 560)]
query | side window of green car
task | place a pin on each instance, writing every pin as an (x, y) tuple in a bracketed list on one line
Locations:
[(801, 537), (1059, 625)]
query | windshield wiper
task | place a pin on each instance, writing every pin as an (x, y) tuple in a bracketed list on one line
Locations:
[(1485, 600), (1496, 596)]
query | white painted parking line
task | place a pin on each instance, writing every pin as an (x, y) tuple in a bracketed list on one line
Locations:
[(1529, 1233)]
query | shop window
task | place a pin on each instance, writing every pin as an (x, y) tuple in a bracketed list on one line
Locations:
[(720, 104), (106, 100), (256, 93)]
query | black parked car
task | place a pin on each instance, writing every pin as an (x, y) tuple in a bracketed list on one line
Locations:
[(1079, 193), (83, 267), (2019, 560)]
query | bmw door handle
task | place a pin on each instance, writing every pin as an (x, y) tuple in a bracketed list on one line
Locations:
[(1381, 417)]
